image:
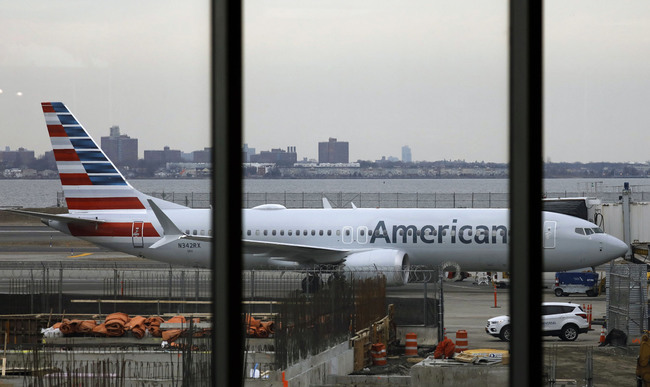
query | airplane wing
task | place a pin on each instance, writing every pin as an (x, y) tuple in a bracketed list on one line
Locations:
[(66, 218), (296, 253)]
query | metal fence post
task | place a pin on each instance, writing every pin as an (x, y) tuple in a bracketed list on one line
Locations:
[(252, 285), (43, 292), (31, 291), (183, 291), (169, 285), (196, 291), (115, 279), (60, 287)]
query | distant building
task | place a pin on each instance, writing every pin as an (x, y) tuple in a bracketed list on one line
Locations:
[(247, 153), (159, 157), (16, 158), (202, 156), (276, 156), (333, 151), (406, 154), (120, 148)]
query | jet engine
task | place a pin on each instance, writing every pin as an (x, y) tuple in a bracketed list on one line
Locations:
[(393, 264)]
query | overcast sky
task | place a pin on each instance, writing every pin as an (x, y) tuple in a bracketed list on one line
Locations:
[(379, 74)]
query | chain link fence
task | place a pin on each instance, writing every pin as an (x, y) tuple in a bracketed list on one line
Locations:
[(627, 299), (374, 199)]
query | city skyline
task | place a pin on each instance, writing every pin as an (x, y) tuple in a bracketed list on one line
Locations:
[(432, 74)]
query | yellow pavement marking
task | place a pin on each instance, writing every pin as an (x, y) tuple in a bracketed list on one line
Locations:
[(79, 255)]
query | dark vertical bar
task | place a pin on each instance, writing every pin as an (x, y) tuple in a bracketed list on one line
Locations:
[(525, 190), (227, 359)]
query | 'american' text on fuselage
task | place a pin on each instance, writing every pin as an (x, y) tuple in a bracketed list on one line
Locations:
[(480, 234)]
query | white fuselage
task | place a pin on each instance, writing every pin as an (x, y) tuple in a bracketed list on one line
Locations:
[(475, 239)]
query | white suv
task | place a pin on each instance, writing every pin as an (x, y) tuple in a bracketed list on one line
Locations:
[(562, 319)]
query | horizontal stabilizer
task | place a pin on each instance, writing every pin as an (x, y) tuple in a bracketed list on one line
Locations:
[(60, 218)]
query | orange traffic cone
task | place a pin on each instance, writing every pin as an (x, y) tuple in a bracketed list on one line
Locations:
[(602, 335)]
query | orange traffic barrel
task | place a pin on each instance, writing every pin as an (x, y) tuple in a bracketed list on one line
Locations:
[(411, 344), (378, 354), (461, 340)]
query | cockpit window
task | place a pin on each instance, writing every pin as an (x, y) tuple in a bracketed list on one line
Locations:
[(598, 230), (580, 231), (588, 231)]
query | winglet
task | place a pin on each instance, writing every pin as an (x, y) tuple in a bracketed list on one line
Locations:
[(170, 231), (169, 228)]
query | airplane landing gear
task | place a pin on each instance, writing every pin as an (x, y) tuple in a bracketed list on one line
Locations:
[(311, 283)]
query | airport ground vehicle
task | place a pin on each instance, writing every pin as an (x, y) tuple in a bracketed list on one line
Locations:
[(575, 282), (562, 319)]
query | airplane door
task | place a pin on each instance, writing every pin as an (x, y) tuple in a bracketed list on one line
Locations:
[(347, 236), (137, 233), (549, 234)]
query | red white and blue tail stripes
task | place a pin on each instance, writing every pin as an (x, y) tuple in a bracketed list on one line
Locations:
[(90, 180)]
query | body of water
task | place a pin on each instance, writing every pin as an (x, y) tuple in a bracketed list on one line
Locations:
[(43, 193)]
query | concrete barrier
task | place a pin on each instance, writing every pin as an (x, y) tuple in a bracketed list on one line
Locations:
[(434, 373)]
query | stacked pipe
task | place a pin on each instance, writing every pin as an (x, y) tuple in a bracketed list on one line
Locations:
[(117, 324), (258, 328)]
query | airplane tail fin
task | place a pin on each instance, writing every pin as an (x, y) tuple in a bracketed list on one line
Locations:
[(90, 180)]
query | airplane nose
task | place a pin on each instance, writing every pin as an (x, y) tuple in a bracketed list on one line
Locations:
[(617, 247)]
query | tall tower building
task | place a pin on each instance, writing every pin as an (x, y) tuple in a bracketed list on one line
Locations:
[(333, 151), (120, 148), (406, 154)]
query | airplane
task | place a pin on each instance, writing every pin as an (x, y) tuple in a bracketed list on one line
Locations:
[(105, 209)]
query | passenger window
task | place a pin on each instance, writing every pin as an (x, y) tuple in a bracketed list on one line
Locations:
[(338, 232), (580, 231), (410, 232), (305, 232), (248, 232), (257, 232), (266, 232), (329, 232), (290, 232), (362, 232), (187, 232), (202, 232), (347, 232), (273, 232), (588, 231), (210, 232), (281, 232), (297, 232), (194, 232), (313, 232), (320, 233)]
